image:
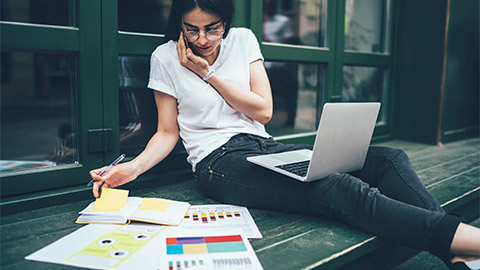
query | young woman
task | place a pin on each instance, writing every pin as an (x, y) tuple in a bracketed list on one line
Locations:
[(211, 89)]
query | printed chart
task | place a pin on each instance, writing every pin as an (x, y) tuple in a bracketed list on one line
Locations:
[(227, 251), (112, 248), (199, 245), (220, 217), (232, 263), (97, 246)]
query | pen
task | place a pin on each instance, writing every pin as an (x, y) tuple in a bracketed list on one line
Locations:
[(115, 162)]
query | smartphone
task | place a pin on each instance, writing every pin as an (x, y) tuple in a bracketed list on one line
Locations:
[(185, 40), (186, 44)]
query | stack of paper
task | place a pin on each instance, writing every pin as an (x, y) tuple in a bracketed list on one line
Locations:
[(209, 237)]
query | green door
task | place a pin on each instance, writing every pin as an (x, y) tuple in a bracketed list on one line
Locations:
[(52, 113)]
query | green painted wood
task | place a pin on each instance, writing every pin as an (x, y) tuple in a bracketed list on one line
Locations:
[(419, 61), (110, 82), (366, 59), (256, 20), (28, 202), (460, 111), (138, 43), (242, 14), (339, 44), (330, 69), (27, 36), (303, 54)]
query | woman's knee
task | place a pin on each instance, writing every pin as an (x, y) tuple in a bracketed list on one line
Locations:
[(389, 153)]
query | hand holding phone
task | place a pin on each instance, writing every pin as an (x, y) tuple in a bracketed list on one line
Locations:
[(185, 41), (189, 58)]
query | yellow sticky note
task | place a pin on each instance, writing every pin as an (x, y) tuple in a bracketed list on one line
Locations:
[(111, 200), (154, 204)]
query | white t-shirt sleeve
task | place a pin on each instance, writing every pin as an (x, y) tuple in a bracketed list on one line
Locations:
[(254, 52), (160, 78)]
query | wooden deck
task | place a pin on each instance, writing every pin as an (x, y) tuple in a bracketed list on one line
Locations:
[(451, 173)]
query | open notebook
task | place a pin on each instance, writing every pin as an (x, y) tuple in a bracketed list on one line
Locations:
[(115, 207)]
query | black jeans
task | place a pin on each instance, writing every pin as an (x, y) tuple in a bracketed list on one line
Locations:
[(400, 209)]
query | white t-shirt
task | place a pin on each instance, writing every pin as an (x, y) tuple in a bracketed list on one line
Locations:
[(205, 119)]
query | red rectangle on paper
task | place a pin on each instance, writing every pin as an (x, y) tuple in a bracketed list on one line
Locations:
[(171, 241), (220, 239)]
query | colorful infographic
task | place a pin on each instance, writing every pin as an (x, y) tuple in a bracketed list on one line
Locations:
[(114, 247), (187, 250), (213, 244), (94, 246)]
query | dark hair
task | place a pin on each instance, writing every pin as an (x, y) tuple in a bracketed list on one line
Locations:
[(221, 8)]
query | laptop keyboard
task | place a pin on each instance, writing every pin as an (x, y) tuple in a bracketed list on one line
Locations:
[(298, 168)]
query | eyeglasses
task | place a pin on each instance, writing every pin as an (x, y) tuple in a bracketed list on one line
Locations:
[(212, 34)]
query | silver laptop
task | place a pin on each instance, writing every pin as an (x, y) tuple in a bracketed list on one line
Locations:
[(341, 144)]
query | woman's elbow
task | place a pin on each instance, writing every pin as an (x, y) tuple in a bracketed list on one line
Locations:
[(265, 117)]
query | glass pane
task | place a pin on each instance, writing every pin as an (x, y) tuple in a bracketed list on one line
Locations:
[(54, 12), (138, 112), (295, 22), (144, 16), (296, 92), (366, 25), (37, 110), (364, 84)]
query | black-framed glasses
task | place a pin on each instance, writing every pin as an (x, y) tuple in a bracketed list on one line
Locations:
[(212, 34)]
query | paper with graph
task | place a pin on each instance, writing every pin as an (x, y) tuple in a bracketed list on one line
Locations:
[(220, 217), (105, 246), (202, 251)]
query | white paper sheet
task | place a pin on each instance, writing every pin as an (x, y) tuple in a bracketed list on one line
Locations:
[(220, 217), (102, 246), (182, 249)]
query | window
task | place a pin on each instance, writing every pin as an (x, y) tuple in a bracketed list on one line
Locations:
[(343, 46), (73, 89), (295, 22), (48, 12), (366, 28), (137, 109), (145, 16), (365, 84), (37, 111), (366, 55), (51, 94), (295, 88)]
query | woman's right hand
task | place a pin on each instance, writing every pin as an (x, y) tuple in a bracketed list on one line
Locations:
[(189, 60), (118, 175)]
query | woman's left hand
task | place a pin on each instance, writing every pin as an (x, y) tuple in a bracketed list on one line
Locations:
[(189, 60)]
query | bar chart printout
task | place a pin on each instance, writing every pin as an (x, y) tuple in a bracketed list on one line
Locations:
[(219, 217), (209, 252)]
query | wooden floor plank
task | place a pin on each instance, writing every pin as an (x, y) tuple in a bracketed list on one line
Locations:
[(293, 241), (456, 186), (13, 253), (426, 261)]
